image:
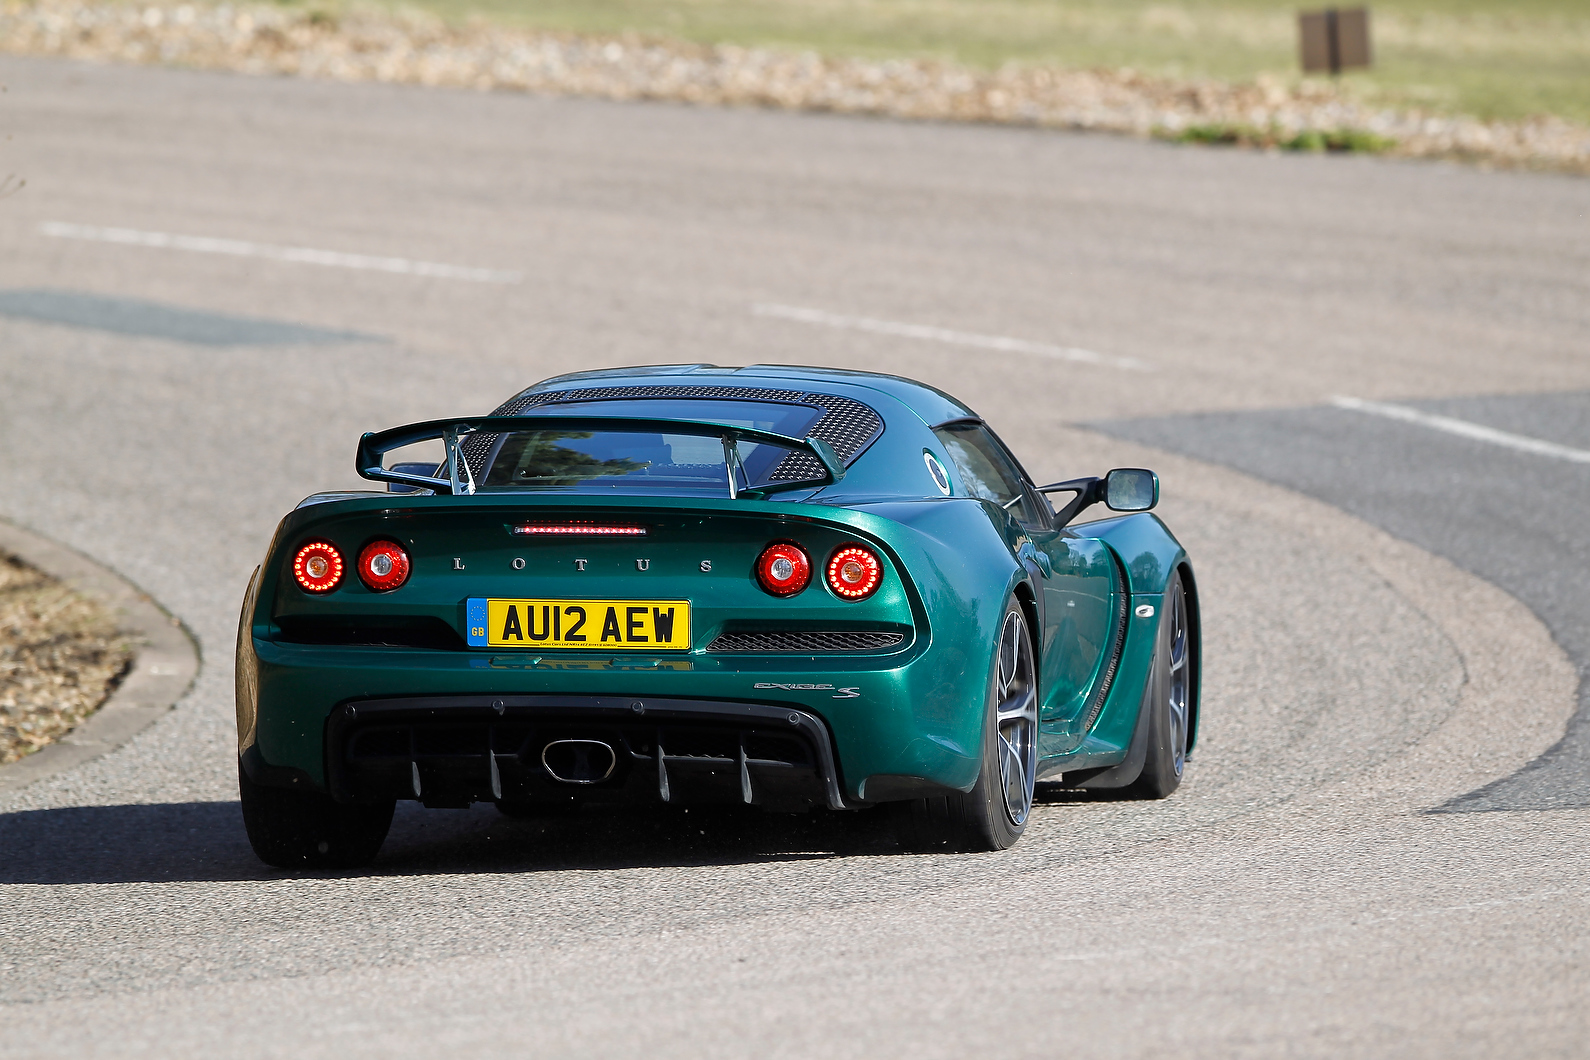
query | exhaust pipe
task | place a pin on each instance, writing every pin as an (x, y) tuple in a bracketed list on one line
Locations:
[(579, 761)]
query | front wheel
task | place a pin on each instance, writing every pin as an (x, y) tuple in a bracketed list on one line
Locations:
[(994, 813), (309, 829), (1171, 694)]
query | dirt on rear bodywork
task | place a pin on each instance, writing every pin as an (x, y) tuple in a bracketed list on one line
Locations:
[(61, 654)]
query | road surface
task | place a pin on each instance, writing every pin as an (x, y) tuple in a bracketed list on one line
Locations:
[(212, 284)]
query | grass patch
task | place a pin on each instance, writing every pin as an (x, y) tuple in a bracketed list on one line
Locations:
[(1336, 141), (1490, 58)]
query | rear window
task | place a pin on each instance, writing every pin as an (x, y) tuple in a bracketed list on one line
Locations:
[(624, 460)]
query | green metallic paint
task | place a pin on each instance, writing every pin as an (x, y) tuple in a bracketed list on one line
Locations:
[(1146, 546), (1149, 553), (909, 717), (951, 563)]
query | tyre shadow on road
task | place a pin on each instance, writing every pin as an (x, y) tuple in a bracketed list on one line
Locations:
[(205, 841)]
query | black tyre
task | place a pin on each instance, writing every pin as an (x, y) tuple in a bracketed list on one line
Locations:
[(308, 829), (994, 813), (1171, 686)]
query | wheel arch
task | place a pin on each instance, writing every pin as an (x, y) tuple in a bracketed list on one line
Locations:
[(1195, 655), (1027, 596)]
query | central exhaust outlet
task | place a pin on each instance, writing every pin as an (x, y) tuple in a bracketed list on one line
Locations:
[(579, 761)]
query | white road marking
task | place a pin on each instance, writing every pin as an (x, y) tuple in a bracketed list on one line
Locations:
[(1465, 429), (954, 338), (297, 255)]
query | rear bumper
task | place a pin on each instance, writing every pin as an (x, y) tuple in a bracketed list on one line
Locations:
[(454, 750), (911, 714)]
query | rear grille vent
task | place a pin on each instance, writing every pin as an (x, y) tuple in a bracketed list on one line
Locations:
[(801, 641)]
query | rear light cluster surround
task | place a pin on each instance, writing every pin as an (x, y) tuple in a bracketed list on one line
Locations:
[(317, 567), (383, 566), (853, 571), (783, 568)]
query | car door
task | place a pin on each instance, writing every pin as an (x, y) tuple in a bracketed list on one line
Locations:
[(1076, 575), (1078, 623)]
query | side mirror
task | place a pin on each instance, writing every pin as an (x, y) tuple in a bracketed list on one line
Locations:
[(428, 470), (1126, 489), (1131, 489)]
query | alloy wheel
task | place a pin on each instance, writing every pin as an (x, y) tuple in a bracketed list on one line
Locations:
[(1176, 688), (1016, 719)]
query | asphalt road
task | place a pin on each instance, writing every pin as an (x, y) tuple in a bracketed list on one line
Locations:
[(170, 388), (1515, 518)]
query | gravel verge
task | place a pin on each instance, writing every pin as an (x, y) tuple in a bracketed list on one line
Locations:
[(86, 658), (61, 653), (369, 45)]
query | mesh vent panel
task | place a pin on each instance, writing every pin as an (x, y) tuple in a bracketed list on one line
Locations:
[(847, 425), (799, 641), (747, 393)]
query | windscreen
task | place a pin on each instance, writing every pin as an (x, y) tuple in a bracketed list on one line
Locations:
[(600, 460)]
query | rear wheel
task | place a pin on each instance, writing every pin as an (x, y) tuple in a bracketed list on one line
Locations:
[(309, 829), (994, 813), (1170, 710)]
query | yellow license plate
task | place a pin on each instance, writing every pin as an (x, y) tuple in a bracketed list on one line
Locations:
[(600, 625)]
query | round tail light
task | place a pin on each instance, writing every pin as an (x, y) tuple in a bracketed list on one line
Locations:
[(854, 572), (783, 570), (318, 567), (383, 566)]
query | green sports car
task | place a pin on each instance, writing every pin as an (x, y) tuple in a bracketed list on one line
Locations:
[(786, 587)]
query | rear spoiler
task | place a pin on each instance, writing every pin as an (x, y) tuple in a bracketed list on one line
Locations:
[(460, 480)]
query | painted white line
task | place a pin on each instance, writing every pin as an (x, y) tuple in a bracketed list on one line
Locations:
[(1465, 429), (297, 255), (954, 338)]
